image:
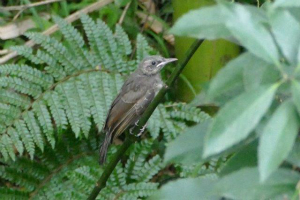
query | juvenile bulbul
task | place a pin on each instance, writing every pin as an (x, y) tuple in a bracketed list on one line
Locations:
[(134, 97)]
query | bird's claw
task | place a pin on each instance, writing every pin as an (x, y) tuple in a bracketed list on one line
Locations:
[(142, 130), (131, 130)]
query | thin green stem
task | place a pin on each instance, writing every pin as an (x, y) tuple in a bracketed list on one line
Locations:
[(130, 140)]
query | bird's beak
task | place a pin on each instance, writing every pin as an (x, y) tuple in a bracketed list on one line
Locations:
[(166, 61), (169, 60)]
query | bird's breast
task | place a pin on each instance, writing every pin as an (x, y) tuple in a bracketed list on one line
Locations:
[(157, 86)]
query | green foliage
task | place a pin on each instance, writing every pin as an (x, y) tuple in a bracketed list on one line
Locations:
[(257, 125), (233, 186), (49, 109), (71, 170)]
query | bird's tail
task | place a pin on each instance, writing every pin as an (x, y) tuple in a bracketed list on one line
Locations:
[(104, 147)]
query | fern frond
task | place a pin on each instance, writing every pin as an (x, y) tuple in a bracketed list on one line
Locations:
[(83, 105), (10, 112), (16, 139), (136, 159), (111, 46), (52, 67), (154, 124), (56, 108), (27, 52), (43, 115), (26, 137), (27, 73), (20, 85), (73, 37), (136, 190), (124, 45), (34, 128), (66, 91), (149, 169), (82, 178), (6, 148), (142, 48), (186, 112), (71, 170), (117, 178), (13, 98), (167, 125), (9, 193), (57, 50), (96, 44)]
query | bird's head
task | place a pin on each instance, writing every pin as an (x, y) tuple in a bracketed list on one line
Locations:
[(152, 65)]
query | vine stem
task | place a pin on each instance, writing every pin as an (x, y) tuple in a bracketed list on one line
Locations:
[(101, 183)]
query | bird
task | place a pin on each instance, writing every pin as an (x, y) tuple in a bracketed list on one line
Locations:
[(135, 95)]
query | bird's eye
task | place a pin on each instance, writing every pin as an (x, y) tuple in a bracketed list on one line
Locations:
[(153, 63)]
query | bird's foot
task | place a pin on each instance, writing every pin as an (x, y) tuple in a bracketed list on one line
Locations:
[(142, 130), (131, 130)]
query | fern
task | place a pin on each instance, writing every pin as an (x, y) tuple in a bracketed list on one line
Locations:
[(72, 169), (47, 116), (70, 91)]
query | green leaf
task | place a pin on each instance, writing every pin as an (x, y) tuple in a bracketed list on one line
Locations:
[(237, 119), (187, 148), (286, 34), (193, 188), (296, 94), (294, 157), (210, 24), (246, 157), (257, 72), (229, 79), (287, 3), (277, 139), (244, 184), (250, 32)]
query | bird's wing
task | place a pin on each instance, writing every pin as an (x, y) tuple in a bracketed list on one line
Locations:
[(128, 106)]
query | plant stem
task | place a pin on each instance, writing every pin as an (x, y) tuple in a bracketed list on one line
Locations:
[(129, 140)]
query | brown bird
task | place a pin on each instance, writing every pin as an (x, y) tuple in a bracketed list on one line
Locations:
[(134, 97)]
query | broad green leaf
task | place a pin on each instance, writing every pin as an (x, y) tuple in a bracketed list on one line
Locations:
[(210, 24), (286, 34), (237, 119), (277, 139), (193, 188), (229, 79), (251, 33), (296, 94), (187, 148), (294, 11), (287, 3), (257, 72), (245, 184), (294, 157), (246, 157)]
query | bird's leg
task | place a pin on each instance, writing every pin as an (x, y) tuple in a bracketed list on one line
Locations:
[(142, 130), (131, 129)]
